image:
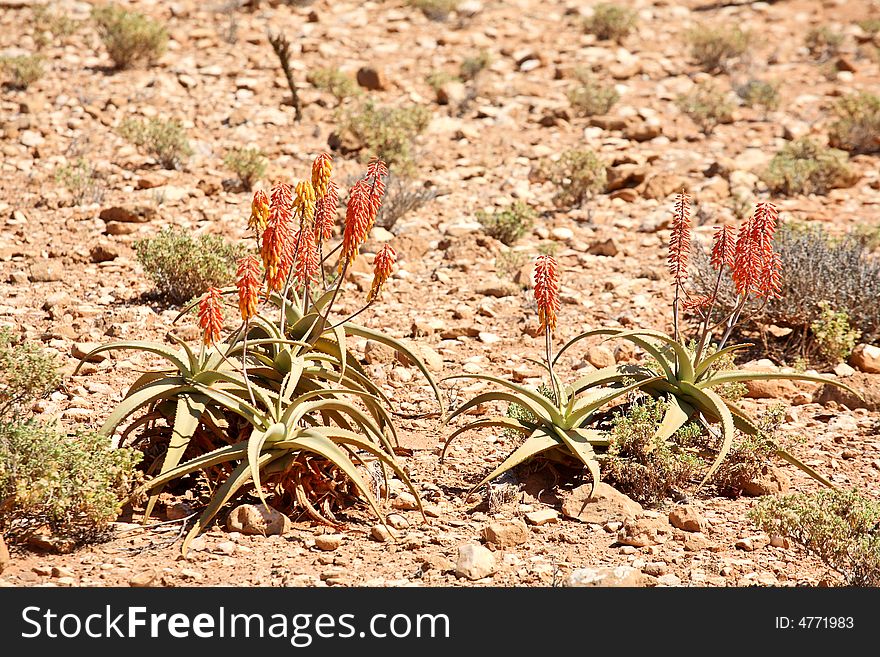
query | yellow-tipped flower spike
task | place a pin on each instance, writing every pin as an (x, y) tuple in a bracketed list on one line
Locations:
[(322, 167), (305, 204), (259, 212), (382, 266)]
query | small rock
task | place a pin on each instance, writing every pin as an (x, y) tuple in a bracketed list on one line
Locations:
[(103, 252), (405, 501), (542, 517), (81, 350), (452, 93), (488, 338), (643, 532), (257, 520), (31, 139), (137, 215), (606, 503), (771, 481), (508, 533), (669, 579), (328, 542), (474, 562), (46, 271), (600, 356), (397, 521), (688, 519), (843, 370), (499, 289), (866, 357), (621, 576), (752, 543), (380, 533), (864, 384), (608, 247), (372, 79), (378, 353), (61, 571), (780, 541), (144, 579), (225, 547)]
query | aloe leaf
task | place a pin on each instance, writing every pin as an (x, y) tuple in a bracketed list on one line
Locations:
[(496, 421), (677, 414), (719, 409), (501, 395), (704, 365), (611, 374), (591, 405), (580, 447), (255, 447), (163, 388), (550, 408), (781, 453), (685, 365), (152, 347), (537, 443), (737, 377), (223, 454)]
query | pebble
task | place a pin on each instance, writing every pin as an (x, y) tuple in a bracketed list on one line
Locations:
[(542, 517), (474, 562), (328, 542)]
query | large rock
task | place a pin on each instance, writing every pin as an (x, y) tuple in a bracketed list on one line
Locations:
[(770, 481), (256, 519), (4, 555), (372, 78), (688, 519), (643, 532), (866, 357), (474, 562), (867, 385), (600, 356), (772, 389), (606, 577), (376, 352), (605, 504), (137, 215), (506, 533)]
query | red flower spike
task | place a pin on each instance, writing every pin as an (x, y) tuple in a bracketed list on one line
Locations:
[(547, 290), (382, 267), (277, 243), (325, 212), (753, 268), (697, 303), (680, 240), (306, 265), (357, 222), (723, 247), (248, 281), (211, 316)]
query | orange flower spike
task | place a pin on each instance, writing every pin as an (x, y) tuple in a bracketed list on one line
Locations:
[(770, 286), (322, 168), (547, 290), (248, 281), (680, 240), (276, 247), (357, 219), (754, 268), (305, 203), (211, 316), (382, 268), (259, 212), (376, 174), (325, 212), (723, 247), (307, 264), (697, 303)]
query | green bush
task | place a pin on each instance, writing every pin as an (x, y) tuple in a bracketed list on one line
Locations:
[(335, 82), (577, 175), (611, 21), (640, 465), (249, 164), (806, 167), (708, 105), (183, 266), (833, 334), (509, 224), (592, 97), (749, 454), (857, 128), (81, 180), (27, 372), (22, 71), (129, 37), (840, 527), (823, 42), (387, 132), (74, 485), (436, 10), (163, 139), (713, 47), (759, 93), (57, 24), (472, 66)]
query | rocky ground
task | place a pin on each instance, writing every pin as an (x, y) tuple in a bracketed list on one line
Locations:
[(68, 275)]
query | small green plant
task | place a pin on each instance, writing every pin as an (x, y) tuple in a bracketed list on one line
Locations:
[(22, 71), (611, 21), (749, 454), (129, 37), (335, 82), (163, 139), (806, 167), (249, 164), (577, 175), (708, 105), (436, 10), (471, 67), (642, 466), (508, 263), (183, 266), (27, 372), (870, 26), (81, 180), (47, 24), (760, 93), (437, 79), (823, 42), (387, 132), (592, 97), (833, 334), (840, 527), (509, 224), (713, 47), (857, 128)]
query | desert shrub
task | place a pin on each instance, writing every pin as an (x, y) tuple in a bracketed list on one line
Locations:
[(611, 21), (335, 82), (509, 224), (72, 484), (577, 175), (472, 66), (49, 23), (592, 97), (183, 266), (402, 196), (714, 46), (436, 79), (249, 164), (759, 93), (857, 128), (804, 166), (870, 26), (840, 527), (869, 234), (387, 132), (643, 465), (21, 71), (816, 268), (27, 372), (81, 180), (749, 454), (823, 42), (163, 139), (436, 10), (833, 334), (508, 263), (129, 37), (707, 104)]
